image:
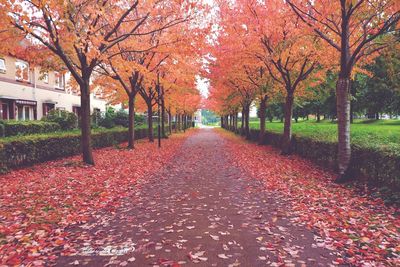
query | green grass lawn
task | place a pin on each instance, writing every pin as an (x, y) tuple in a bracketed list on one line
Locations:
[(382, 134)]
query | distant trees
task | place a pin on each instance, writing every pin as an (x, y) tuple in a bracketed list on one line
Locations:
[(374, 94), (116, 44), (319, 54)]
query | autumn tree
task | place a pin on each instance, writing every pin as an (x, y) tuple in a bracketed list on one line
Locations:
[(265, 91), (289, 53), (355, 30), (81, 34)]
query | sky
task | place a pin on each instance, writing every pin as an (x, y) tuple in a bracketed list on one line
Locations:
[(202, 85)]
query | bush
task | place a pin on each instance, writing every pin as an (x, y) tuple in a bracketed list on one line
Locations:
[(12, 128), (95, 118), (139, 119), (108, 120), (121, 118), (376, 166), (67, 120), (2, 129), (26, 150)]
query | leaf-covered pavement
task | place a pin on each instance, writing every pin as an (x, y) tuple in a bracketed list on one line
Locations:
[(198, 210), (37, 204), (216, 200), (361, 230)]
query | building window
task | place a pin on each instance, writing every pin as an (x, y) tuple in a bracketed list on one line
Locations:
[(77, 111), (2, 65), (25, 113), (47, 107), (5, 115), (59, 80), (44, 77), (22, 71), (26, 110)]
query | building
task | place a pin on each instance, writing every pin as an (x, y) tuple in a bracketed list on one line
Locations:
[(26, 93)]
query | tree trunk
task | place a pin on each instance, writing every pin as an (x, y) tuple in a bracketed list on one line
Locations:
[(169, 122), (263, 106), (163, 133), (343, 115), (85, 124), (184, 122), (236, 122), (222, 122), (287, 129), (178, 116), (242, 126), (247, 122), (318, 116), (131, 123), (150, 130)]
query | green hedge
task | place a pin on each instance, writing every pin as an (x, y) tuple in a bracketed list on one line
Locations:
[(67, 120), (27, 150), (12, 128), (2, 129), (377, 167)]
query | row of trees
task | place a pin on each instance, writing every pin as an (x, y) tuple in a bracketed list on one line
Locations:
[(120, 48), (269, 50), (372, 95)]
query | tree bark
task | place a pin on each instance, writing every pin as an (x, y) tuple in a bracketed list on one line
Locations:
[(131, 123), (287, 129), (263, 106), (343, 113), (242, 126), (236, 122), (86, 143), (150, 130), (169, 121), (184, 122), (163, 133), (247, 122)]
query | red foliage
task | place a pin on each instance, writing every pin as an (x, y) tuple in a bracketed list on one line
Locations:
[(362, 230), (38, 203)]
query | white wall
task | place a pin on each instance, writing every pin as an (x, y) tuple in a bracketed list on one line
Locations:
[(62, 99)]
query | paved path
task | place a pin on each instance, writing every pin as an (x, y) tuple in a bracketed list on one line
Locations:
[(198, 211)]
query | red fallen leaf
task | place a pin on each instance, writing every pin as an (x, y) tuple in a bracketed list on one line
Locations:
[(39, 202), (59, 242), (345, 220)]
